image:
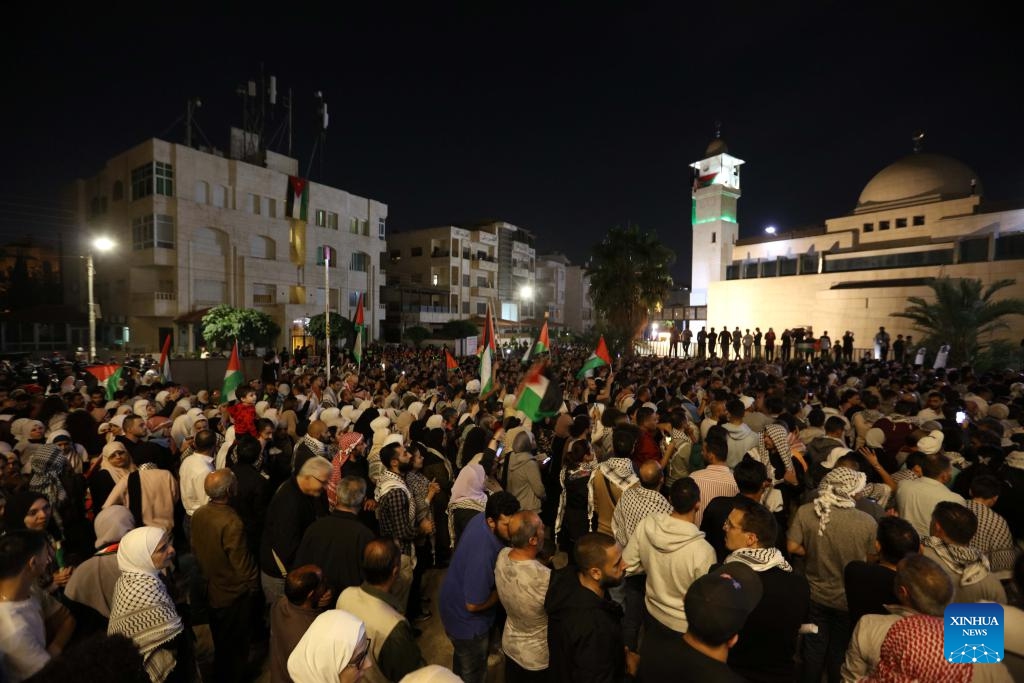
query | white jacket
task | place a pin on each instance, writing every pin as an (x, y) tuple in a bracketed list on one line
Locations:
[(673, 554)]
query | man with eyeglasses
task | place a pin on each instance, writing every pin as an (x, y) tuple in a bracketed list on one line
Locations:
[(297, 504)]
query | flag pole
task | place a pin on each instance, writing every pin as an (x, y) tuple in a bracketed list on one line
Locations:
[(327, 307)]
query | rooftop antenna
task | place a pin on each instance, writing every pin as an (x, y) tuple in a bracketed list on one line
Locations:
[(718, 130), (918, 139), (322, 119)]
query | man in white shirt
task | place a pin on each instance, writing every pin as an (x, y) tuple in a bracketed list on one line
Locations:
[(192, 475), (522, 583), (25, 644), (916, 499)]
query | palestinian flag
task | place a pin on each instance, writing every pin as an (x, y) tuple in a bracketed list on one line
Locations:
[(449, 361), (599, 358), (165, 360), (297, 201), (706, 180), (357, 348), (109, 377), (489, 347), (542, 345), (232, 376), (540, 396)]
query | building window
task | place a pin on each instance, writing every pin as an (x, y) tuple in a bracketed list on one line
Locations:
[(713, 238), (152, 231), (252, 203), (220, 196), (465, 281), (332, 220), (321, 218), (416, 278), (262, 247), (382, 227), (481, 309), (465, 308), (883, 225), (164, 179), (359, 262), (353, 299), (901, 222), (434, 279), (117, 193), (202, 194), (142, 181), (353, 226), (974, 250), (481, 281), (396, 254), (415, 251), (268, 207), (918, 220), (869, 227), (366, 228), (1010, 246)]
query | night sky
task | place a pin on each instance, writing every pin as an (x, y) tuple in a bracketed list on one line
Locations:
[(563, 121)]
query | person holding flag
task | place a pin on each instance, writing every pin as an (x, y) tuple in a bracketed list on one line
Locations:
[(539, 396), (109, 378), (598, 359), (360, 325), (243, 407), (165, 360), (542, 345), (449, 361)]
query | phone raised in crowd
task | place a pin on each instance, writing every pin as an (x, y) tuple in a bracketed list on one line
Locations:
[(961, 417)]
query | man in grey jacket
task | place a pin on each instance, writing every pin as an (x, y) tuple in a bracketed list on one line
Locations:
[(523, 478)]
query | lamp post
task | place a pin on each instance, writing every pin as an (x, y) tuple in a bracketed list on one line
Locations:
[(100, 244), (526, 294)]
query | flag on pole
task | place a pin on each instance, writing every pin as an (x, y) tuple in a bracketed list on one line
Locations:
[(599, 358), (297, 199), (541, 396), (489, 346), (449, 360), (109, 377), (165, 360), (357, 348), (542, 345), (232, 376)]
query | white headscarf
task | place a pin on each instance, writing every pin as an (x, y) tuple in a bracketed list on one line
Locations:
[(837, 490), (326, 648), (116, 473), (135, 553), (139, 408)]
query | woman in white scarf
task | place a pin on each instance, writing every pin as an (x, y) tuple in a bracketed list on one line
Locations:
[(184, 425), (334, 648), (142, 608)]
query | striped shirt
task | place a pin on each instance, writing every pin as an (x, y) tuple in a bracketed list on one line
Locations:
[(993, 537), (713, 481)]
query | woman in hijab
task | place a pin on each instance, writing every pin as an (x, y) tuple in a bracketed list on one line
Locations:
[(31, 510), (334, 649), (468, 499), (142, 608), (574, 508), (115, 465), (92, 585)]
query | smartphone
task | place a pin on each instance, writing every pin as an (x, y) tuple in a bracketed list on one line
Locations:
[(668, 439), (961, 417), (498, 450), (546, 460)]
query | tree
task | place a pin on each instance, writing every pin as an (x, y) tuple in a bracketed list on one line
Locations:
[(962, 315), (629, 276), (341, 328), (458, 329), (416, 334), (222, 325)]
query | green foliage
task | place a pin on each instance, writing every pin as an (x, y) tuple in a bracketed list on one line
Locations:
[(458, 329), (222, 325), (341, 328), (629, 277), (416, 334), (962, 315)]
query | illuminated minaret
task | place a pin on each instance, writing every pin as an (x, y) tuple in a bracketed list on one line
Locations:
[(716, 189)]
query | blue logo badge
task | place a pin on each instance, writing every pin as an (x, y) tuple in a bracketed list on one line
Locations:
[(973, 633)]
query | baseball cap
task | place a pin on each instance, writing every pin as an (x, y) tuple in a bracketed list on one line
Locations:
[(718, 604)]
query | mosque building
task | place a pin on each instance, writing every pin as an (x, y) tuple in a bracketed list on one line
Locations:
[(923, 216)]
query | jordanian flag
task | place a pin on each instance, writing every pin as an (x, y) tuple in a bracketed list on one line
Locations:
[(542, 345), (449, 360), (109, 377), (488, 349), (599, 358), (357, 348), (297, 201), (165, 360), (541, 396), (232, 376)]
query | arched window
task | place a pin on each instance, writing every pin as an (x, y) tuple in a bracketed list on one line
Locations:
[(263, 247), (202, 192), (117, 192), (210, 241)]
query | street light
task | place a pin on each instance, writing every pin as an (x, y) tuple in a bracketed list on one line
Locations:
[(770, 230), (526, 294), (100, 244)]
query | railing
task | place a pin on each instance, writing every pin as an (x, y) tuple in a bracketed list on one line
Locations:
[(263, 299)]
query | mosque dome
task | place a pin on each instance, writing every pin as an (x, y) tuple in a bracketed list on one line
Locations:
[(716, 147), (919, 178)]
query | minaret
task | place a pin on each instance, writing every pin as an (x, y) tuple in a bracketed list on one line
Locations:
[(716, 188)]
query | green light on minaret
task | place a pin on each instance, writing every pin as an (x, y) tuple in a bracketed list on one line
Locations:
[(723, 217)]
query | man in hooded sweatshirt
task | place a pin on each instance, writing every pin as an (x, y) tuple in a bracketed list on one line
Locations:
[(741, 437), (672, 551)]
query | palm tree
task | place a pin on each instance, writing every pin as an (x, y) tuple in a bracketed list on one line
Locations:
[(963, 315), (629, 276)]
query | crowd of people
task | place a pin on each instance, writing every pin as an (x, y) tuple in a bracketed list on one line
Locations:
[(730, 517)]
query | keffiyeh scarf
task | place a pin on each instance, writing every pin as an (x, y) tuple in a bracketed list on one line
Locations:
[(780, 438), (143, 611), (388, 482), (585, 469), (760, 559), (837, 490), (912, 651), (48, 463), (969, 563), (348, 442), (617, 471)]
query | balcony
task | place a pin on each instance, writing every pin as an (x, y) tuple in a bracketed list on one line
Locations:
[(487, 263), (413, 314), (488, 291), (160, 304), (520, 271), (263, 300), (440, 253)]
